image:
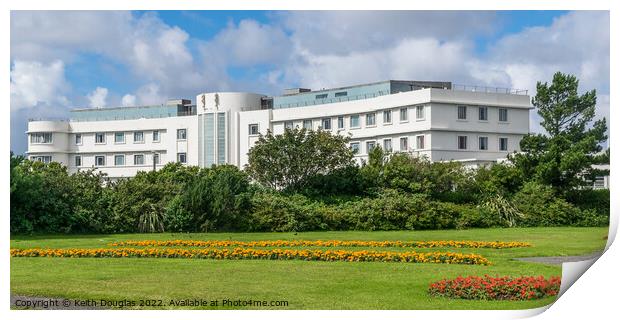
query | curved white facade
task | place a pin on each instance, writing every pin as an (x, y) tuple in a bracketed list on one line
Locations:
[(442, 124)]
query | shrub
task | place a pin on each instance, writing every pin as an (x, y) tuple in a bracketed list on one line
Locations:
[(542, 207), (584, 199)]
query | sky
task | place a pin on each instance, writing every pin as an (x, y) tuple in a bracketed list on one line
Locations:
[(61, 60)]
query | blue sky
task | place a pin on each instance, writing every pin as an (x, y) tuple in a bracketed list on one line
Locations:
[(64, 59)]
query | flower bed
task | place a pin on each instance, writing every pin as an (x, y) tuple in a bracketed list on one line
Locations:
[(324, 243), (496, 288), (268, 254)]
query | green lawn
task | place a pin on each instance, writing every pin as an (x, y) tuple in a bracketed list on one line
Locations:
[(305, 285)]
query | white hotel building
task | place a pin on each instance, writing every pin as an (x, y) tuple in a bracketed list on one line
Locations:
[(473, 125)]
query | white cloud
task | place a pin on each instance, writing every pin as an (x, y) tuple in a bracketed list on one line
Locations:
[(35, 83), (150, 94), (98, 97), (128, 100)]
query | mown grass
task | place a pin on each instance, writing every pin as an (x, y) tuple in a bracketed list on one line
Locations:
[(305, 285)]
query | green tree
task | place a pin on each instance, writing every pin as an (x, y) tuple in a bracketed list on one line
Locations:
[(565, 154), (290, 160)]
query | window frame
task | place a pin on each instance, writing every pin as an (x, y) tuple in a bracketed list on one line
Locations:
[(385, 147), (406, 113), (499, 145), (156, 158), (480, 113), (138, 156), (357, 117), (75, 160), (499, 117), (41, 135), (289, 125), (76, 139), (355, 150), (119, 156), (327, 121), (486, 143), (405, 144), (340, 122), (458, 113), (116, 135), (305, 123), (250, 131), (370, 145), (158, 135), (179, 154), (135, 134), (103, 135), (100, 157), (458, 142), (417, 141), (389, 117), (420, 110), (184, 135), (373, 117)]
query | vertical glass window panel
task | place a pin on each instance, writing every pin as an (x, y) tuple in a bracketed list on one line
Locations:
[(156, 158), (387, 116), (370, 119), (138, 136), (462, 113), (340, 94), (78, 161), (99, 137), (78, 138), (503, 144), (341, 122), (419, 112), (483, 143), (462, 142), (119, 160), (404, 114), (138, 159), (221, 138), (119, 137), (387, 145), (355, 147), (327, 124), (369, 146), (182, 157), (181, 134), (483, 113), (308, 124), (420, 142), (209, 139), (253, 129), (503, 114), (156, 136), (288, 125), (404, 144), (355, 121), (100, 161)]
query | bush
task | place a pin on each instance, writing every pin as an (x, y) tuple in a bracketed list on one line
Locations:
[(276, 212), (541, 207), (585, 199)]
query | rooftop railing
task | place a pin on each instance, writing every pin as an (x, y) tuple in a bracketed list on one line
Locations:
[(472, 88)]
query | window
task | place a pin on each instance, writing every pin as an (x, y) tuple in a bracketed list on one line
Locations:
[(321, 96), (119, 137), (253, 129), (370, 145), (462, 113), (462, 142), (155, 135), (99, 137), (78, 138), (387, 116), (355, 147), (483, 143), (181, 134), (41, 137), (156, 158), (308, 124), (404, 114), (100, 161), (327, 124), (483, 113), (78, 161), (341, 122), (370, 119), (404, 144), (503, 114), (387, 145), (419, 112), (44, 159), (138, 137), (182, 157), (503, 144), (119, 160), (288, 125), (420, 142), (138, 159), (341, 94), (355, 121)]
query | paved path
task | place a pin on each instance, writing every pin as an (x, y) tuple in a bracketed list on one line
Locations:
[(560, 260), (42, 303)]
